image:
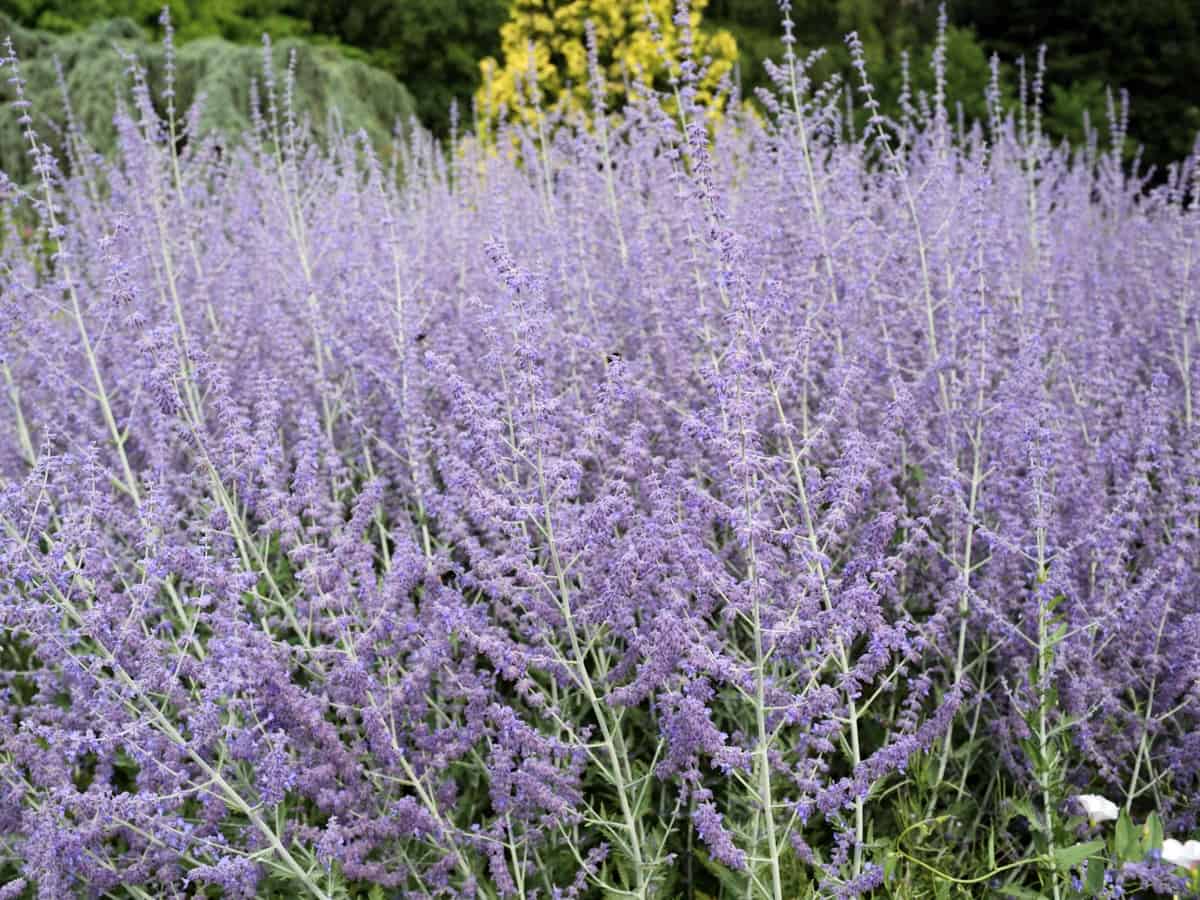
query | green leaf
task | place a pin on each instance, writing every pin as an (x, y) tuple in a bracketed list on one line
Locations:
[(1066, 857), (643, 804), (1095, 878), (729, 879), (1128, 846), (1152, 833), (1021, 806)]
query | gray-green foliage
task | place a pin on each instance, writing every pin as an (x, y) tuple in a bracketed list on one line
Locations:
[(96, 76)]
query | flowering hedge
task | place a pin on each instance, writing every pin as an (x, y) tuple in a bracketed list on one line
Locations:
[(777, 512)]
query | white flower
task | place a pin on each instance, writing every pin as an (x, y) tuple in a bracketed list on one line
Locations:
[(1097, 808), (1186, 855)]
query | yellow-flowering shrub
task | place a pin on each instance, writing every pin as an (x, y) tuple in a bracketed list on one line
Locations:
[(556, 31)]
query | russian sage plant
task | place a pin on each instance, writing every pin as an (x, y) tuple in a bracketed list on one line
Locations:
[(645, 506)]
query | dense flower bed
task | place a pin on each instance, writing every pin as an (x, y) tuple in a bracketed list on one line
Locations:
[(661, 509)]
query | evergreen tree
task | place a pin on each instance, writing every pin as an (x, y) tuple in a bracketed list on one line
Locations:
[(432, 46), (95, 76), (1150, 48)]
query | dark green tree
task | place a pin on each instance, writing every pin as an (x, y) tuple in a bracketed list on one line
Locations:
[(242, 21), (432, 46), (1150, 48)]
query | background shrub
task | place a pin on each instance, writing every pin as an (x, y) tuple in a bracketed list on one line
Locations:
[(335, 92)]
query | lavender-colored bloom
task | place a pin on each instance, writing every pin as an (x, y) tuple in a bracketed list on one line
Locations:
[(498, 523)]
